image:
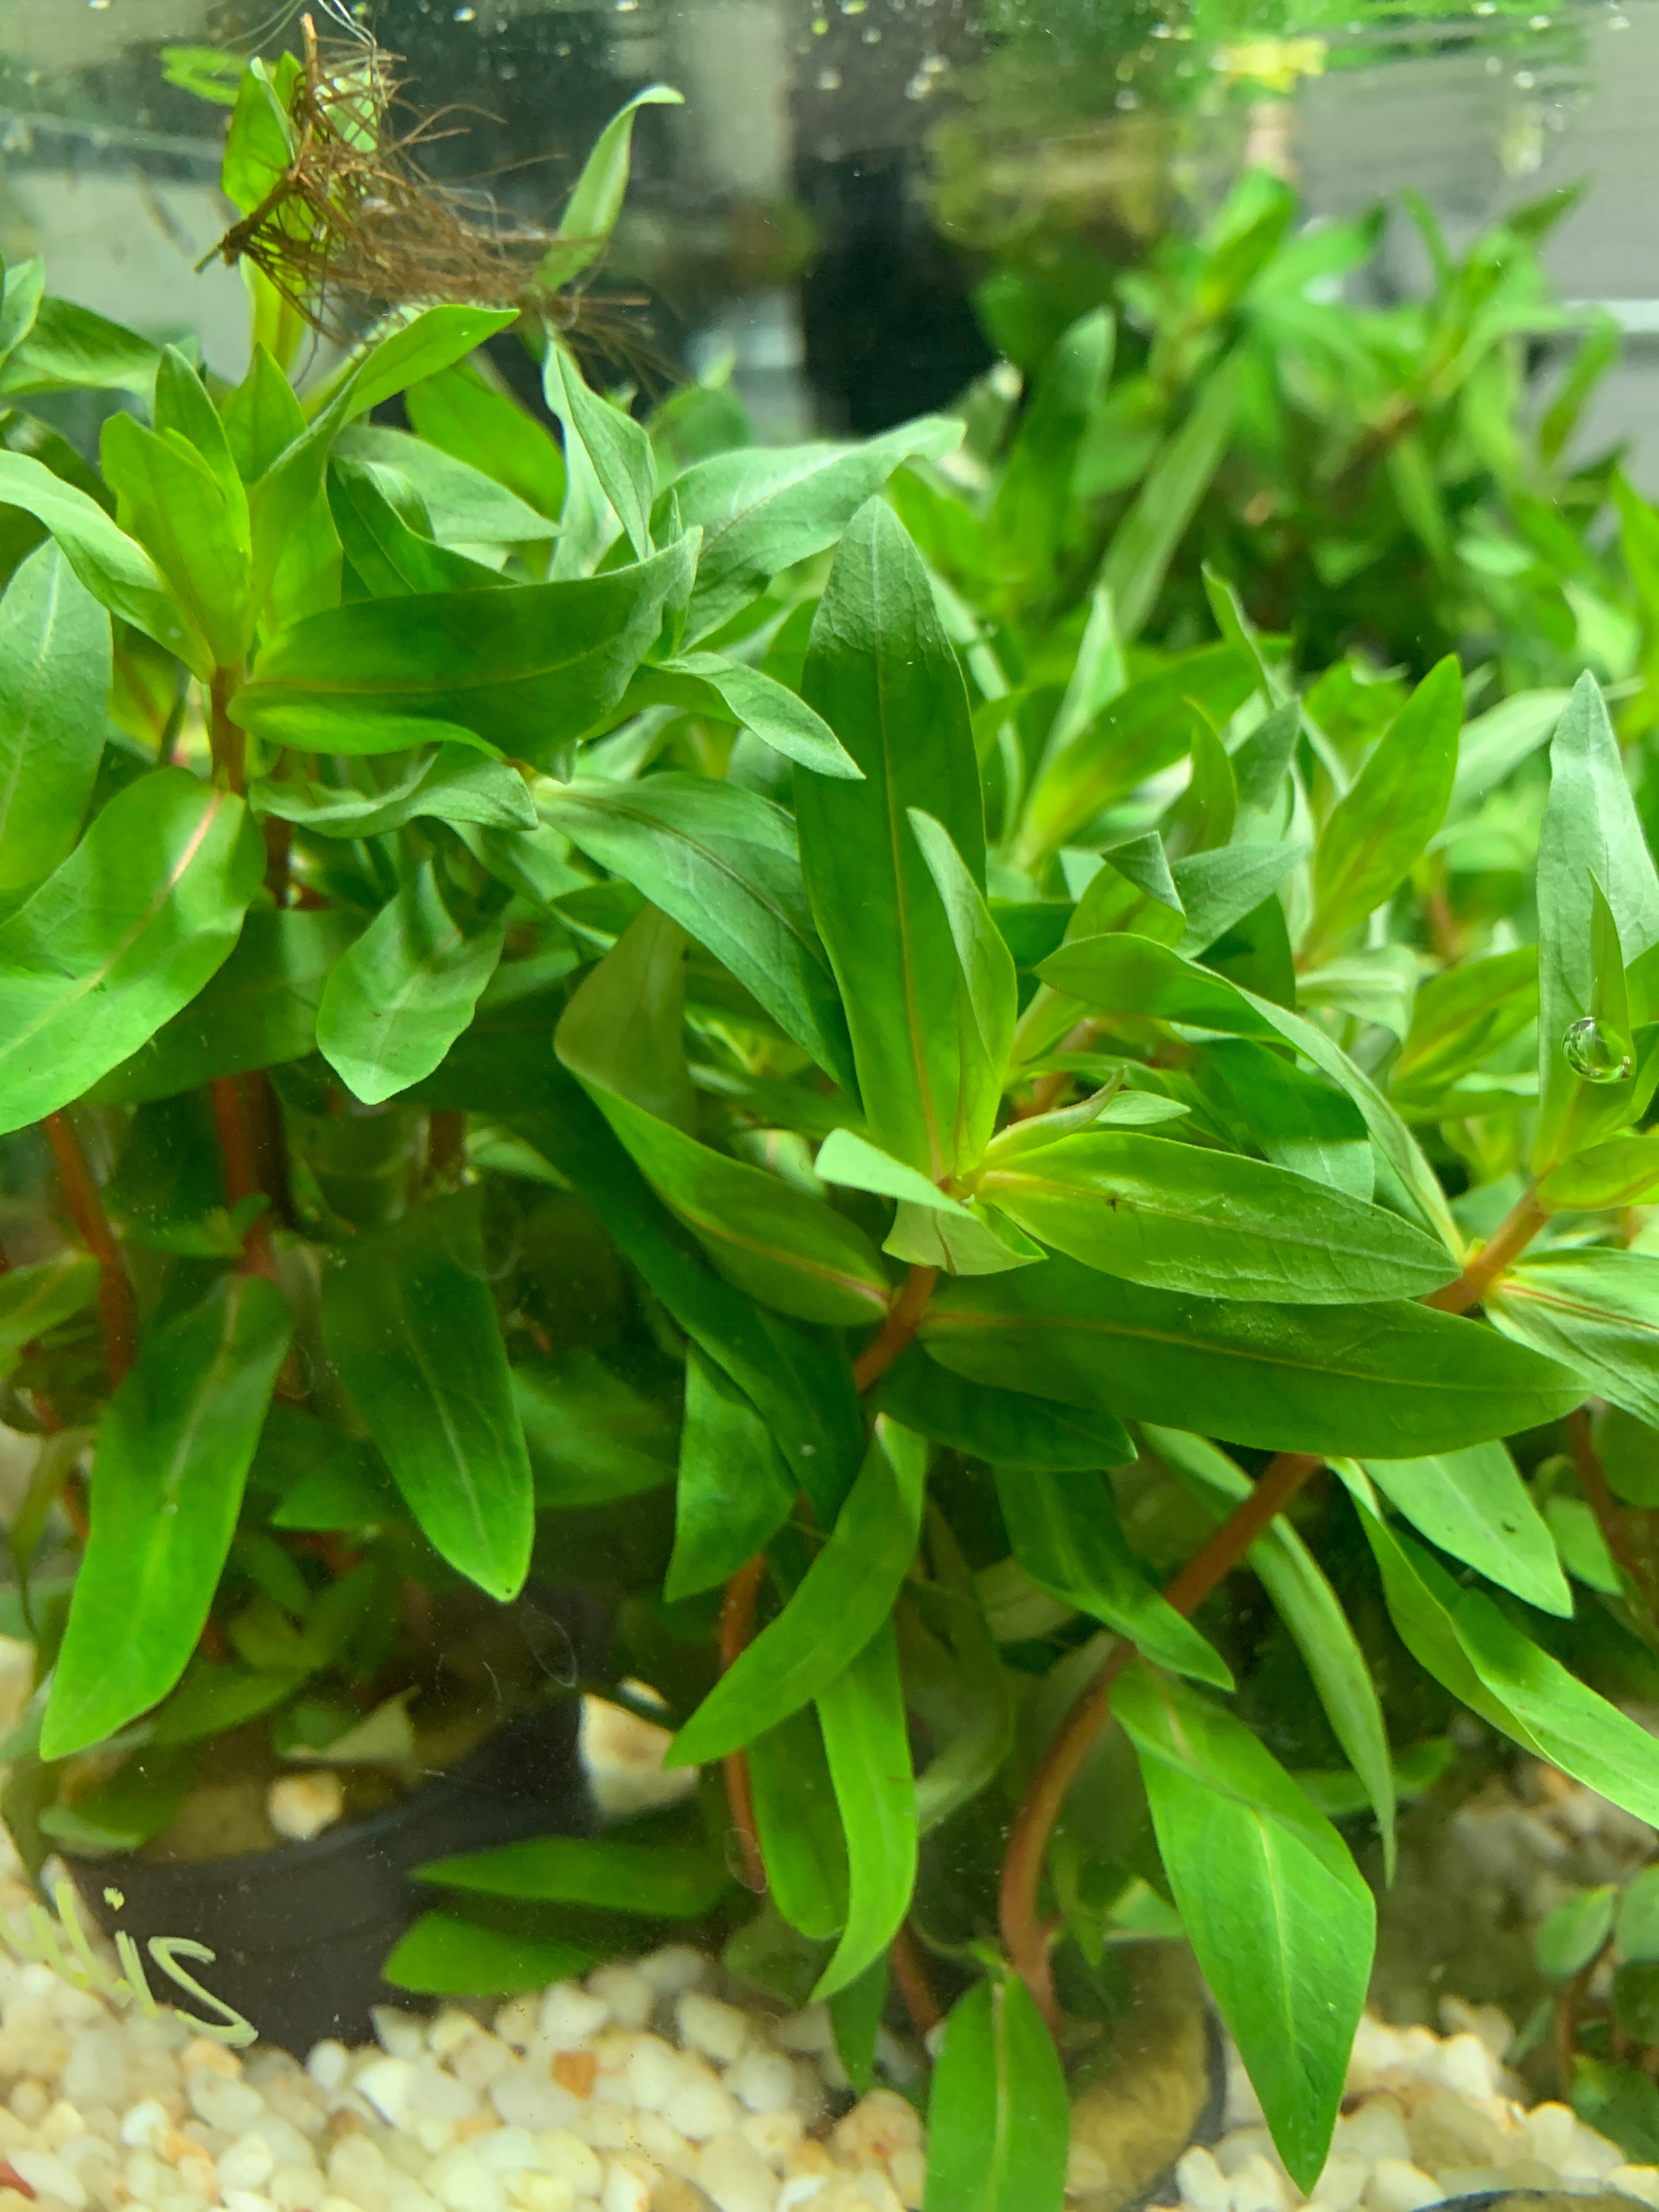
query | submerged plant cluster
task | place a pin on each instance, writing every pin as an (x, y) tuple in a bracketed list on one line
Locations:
[(999, 1079)]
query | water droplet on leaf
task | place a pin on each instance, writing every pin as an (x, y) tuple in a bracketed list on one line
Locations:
[(1597, 1053)]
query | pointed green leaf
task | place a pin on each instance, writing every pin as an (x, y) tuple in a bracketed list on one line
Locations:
[(1282, 1923), (845, 1597), (119, 937), (666, 1882), (1298, 1119), (884, 676), (1000, 2119), (1292, 1378), (409, 1322), (590, 213), (1185, 1218), (1379, 829), (734, 1491), (464, 505), (174, 1452), (1219, 889), (399, 997), (453, 783), (728, 691), (54, 694), (799, 1830), (866, 1741), (1473, 1505), (844, 1157), (487, 429), (170, 499), (1143, 542), (527, 667), (36, 1299), (987, 964), (1597, 1310), (618, 449), (763, 508), (724, 863), (390, 551), (591, 1437), (1005, 1427), (1068, 1538)]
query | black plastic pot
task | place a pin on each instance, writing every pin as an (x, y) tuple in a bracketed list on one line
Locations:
[(299, 1934)]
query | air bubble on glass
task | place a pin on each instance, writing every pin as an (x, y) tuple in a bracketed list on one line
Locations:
[(1598, 1053)]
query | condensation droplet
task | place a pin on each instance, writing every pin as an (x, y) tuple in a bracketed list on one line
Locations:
[(1597, 1053)]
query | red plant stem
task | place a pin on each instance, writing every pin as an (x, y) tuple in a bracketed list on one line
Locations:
[(116, 1304), (1593, 1481), (1505, 1245), (241, 1181), (1024, 1931), (445, 1146), (910, 1978), (898, 1331), (737, 1626)]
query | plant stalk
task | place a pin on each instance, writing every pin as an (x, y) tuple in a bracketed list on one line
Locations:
[(1502, 1249), (737, 1626), (241, 1181), (898, 1331), (116, 1303), (229, 744), (1026, 1934)]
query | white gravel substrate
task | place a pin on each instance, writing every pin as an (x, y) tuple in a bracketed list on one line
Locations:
[(593, 2097)]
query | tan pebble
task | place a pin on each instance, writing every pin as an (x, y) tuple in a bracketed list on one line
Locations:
[(1376, 2131), (809, 2156), (1342, 2183), (575, 2070), (482, 2059), (774, 2136), (908, 2170), (1549, 2129), (735, 2176), (1397, 2186), (1447, 2129), (62, 2121), (302, 1806), (452, 2028), (719, 2031), (625, 1993), (1202, 2183), (1471, 2180), (629, 2182), (474, 2123), (342, 2121), (677, 2193), (516, 2022), (568, 2156), (1641, 2181), (1258, 2186), (1592, 2158), (31, 2101), (541, 2192), (1232, 2151), (217, 2057), (876, 2126)]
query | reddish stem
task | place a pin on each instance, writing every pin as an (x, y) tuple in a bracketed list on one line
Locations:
[(259, 1258), (445, 1146), (1025, 1932), (910, 1977), (227, 743), (116, 1303), (898, 1331), (1502, 1249), (737, 1626)]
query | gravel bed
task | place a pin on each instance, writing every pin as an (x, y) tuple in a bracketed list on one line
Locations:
[(614, 2094)]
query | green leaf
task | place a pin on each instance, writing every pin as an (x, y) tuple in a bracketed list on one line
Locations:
[(1000, 2121), (69, 348), (326, 1479), (798, 1827), (1378, 830), (1638, 1919), (801, 1383), (448, 1954), (464, 506), (257, 1010), (971, 1719), (1597, 1310), (1184, 1217), (1005, 1427), (37, 1298), (1144, 728), (54, 692), (1273, 1906), (170, 499), (174, 1452), (1218, 889), (22, 286), (663, 1880), (590, 213), (1030, 514), (1126, 974), (592, 1438), (855, 2016), (618, 448), (1496, 742), (1312, 1613), (1591, 840), (867, 1743), (119, 937), (391, 552), (1463, 1640), (1623, 1172), (1573, 1934), (1460, 1018), (1620, 2103), (527, 668), (409, 1322), (1298, 1119), (763, 508), (452, 783), (733, 1492), (845, 1157), (724, 863), (881, 672), (708, 684), (114, 567), (1068, 1538), (471, 422), (398, 998), (1400, 1377), (987, 966), (1473, 1505), (781, 1245), (1143, 542), (137, 1801), (845, 1596)]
